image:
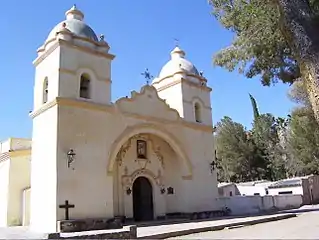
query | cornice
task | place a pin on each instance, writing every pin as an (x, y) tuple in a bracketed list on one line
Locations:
[(82, 104)]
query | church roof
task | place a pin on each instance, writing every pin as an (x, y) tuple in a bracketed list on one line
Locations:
[(178, 63), (75, 24)]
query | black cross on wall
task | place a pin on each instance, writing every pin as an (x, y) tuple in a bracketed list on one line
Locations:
[(66, 206)]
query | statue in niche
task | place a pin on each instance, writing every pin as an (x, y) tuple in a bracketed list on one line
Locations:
[(141, 149)]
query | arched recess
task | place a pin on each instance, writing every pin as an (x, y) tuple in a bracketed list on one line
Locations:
[(158, 131), (45, 90), (85, 86), (89, 73), (198, 112)]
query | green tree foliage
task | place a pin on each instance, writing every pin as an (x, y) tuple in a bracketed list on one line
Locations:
[(260, 151), (254, 106), (234, 151), (266, 137), (274, 39), (259, 48), (249, 155), (303, 140)]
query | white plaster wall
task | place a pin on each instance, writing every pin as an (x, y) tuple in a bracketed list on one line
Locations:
[(92, 134), (43, 169), (5, 146), (183, 96), (19, 180), (173, 98), (26, 207), (49, 67), (227, 191), (287, 201), (20, 143), (295, 190), (251, 190), (76, 62), (86, 184), (203, 188), (241, 205), (192, 94), (4, 189)]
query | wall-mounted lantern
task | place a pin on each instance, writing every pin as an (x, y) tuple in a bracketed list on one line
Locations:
[(71, 157), (128, 191), (213, 165)]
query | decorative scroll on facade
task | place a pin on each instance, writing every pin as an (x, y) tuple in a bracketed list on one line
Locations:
[(128, 179), (121, 154), (142, 158)]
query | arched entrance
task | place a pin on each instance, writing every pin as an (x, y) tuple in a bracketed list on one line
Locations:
[(143, 209)]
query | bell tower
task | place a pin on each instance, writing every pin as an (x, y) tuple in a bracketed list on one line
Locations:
[(73, 63), (73, 68), (184, 89)]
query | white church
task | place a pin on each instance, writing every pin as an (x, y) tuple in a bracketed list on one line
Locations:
[(142, 157)]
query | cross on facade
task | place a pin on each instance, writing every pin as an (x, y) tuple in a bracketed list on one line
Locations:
[(176, 42), (147, 75), (66, 206)]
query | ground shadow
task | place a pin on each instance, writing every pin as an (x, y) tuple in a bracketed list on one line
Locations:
[(178, 221)]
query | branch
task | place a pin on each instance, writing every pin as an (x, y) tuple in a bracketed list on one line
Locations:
[(299, 28)]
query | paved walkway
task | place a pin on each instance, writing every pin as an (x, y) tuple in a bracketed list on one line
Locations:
[(142, 232), (304, 226)]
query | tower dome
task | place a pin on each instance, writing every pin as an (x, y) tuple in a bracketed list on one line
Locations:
[(178, 63), (75, 24)]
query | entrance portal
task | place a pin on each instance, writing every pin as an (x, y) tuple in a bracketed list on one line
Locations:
[(142, 200)]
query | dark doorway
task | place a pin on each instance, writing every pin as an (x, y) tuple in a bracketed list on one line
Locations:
[(142, 200)]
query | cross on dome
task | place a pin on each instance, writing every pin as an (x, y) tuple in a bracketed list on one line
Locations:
[(74, 13), (177, 63), (75, 24), (177, 53)]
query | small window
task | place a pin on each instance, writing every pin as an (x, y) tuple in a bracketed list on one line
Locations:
[(197, 113), (85, 86), (256, 194), (285, 192), (45, 92)]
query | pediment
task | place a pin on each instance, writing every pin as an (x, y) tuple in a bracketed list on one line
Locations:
[(147, 103)]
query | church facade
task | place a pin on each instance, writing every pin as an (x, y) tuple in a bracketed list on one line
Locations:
[(142, 157)]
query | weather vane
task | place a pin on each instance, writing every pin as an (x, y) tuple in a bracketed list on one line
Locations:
[(147, 75)]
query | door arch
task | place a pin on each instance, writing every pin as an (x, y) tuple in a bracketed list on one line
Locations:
[(143, 208)]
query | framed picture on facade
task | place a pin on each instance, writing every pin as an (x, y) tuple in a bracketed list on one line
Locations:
[(141, 149)]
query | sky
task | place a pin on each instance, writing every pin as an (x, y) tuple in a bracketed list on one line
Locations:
[(141, 34)]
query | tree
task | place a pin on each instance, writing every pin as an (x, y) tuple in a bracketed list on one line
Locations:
[(234, 151), (276, 39), (254, 106), (240, 159), (265, 135), (304, 142), (303, 139)]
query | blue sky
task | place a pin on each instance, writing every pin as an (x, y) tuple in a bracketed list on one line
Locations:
[(141, 35)]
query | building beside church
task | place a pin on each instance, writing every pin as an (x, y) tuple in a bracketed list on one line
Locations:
[(142, 157)]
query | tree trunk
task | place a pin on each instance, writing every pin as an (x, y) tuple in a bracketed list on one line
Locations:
[(301, 31)]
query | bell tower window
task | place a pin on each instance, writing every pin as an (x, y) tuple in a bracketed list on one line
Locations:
[(85, 86), (197, 111), (45, 92)]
